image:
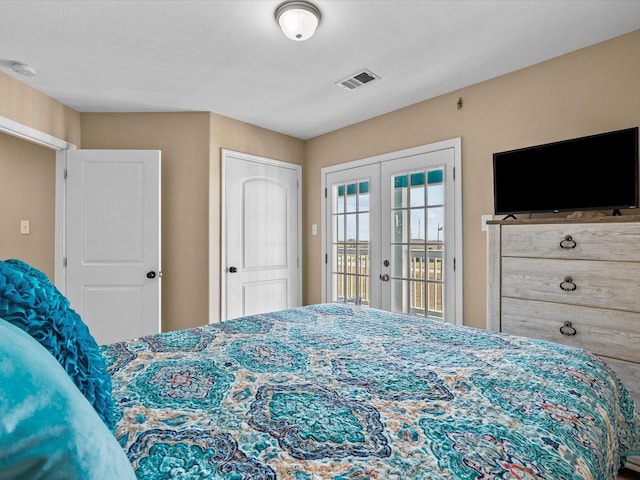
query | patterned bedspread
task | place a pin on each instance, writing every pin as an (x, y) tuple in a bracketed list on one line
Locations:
[(340, 392)]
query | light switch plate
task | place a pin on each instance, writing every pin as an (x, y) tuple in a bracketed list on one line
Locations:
[(25, 227)]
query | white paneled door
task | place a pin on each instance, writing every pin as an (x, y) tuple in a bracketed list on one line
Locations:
[(261, 235), (113, 241)]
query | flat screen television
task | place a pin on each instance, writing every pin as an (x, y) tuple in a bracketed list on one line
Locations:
[(598, 172)]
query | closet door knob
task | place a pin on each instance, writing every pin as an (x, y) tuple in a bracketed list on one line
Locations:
[(233, 269), (151, 274)]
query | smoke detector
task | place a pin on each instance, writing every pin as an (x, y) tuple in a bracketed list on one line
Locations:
[(24, 69)]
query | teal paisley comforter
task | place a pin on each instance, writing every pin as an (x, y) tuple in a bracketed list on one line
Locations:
[(341, 392)]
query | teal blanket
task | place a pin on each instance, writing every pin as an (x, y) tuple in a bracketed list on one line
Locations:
[(341, 392)]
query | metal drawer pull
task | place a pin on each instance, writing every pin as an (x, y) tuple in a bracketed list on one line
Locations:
[(568, 330), (568, 284), (568, 243)]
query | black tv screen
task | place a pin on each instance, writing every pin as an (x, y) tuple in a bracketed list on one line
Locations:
[(598, 172)]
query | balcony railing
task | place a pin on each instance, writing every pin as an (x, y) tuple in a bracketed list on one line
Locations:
[(424, 284)]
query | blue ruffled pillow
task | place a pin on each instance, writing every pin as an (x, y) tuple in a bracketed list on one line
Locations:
[(48, 430), (31, 302)]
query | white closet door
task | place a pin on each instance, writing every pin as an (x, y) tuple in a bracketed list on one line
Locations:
[(260, 235)]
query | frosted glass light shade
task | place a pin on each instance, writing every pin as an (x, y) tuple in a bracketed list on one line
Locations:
[(298, 20)]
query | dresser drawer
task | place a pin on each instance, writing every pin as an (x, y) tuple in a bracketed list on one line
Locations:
[(601, 331), (590, 241), (612, 285), (629, 373)]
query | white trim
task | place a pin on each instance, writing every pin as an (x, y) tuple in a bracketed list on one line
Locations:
[(456, 144), (457, 192), (60, 248), (25, 132), (213, 271)]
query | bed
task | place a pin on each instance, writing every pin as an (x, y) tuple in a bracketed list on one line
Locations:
[(327, 391), (342, 392)]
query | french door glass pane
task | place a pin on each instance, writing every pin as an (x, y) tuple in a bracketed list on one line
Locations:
[(351, 227), (400, 191), (398, 260), (417, 239), (400, 230), (417, 298), (417, 224), (435, 187), (363, 196), (340, 199), (398, 287), (417, 190), (436, 224), (363, 227), (351, 198), (339, 230), (417, 265), (351, 214), (338, 256)]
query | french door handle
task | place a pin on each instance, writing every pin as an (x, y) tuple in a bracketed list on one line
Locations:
[(384, 277)]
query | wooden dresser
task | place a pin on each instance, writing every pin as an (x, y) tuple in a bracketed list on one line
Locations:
[(575, 282)]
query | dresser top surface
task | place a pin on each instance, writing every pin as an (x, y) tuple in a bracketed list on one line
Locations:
[(565, 220)]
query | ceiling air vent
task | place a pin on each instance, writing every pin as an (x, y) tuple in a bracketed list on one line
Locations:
[(358, 79)]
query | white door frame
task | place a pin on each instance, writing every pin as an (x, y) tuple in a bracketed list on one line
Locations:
[(226, 153), (30, 134), (456, 144)]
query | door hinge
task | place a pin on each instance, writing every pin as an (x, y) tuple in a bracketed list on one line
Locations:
[(454, 173), (298, 262), (326, 258), (325, 193), (64, 262), (65, 173), (454, 263)]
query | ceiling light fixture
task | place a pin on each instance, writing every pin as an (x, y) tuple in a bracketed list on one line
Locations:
[(24, 69), (298, 20)]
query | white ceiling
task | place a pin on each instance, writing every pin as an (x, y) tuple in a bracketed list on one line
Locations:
[(229, 56)]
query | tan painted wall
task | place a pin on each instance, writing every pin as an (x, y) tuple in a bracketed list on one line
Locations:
[(585, 92), (227, 133), (27, 192), (183, 139), (190, 145), (25, 105), (588, 91), (27, 172)]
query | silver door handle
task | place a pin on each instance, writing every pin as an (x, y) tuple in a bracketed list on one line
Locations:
[(384, 277)]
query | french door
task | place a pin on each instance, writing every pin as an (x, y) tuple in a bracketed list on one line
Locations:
[(393, 237), (353, 259)]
